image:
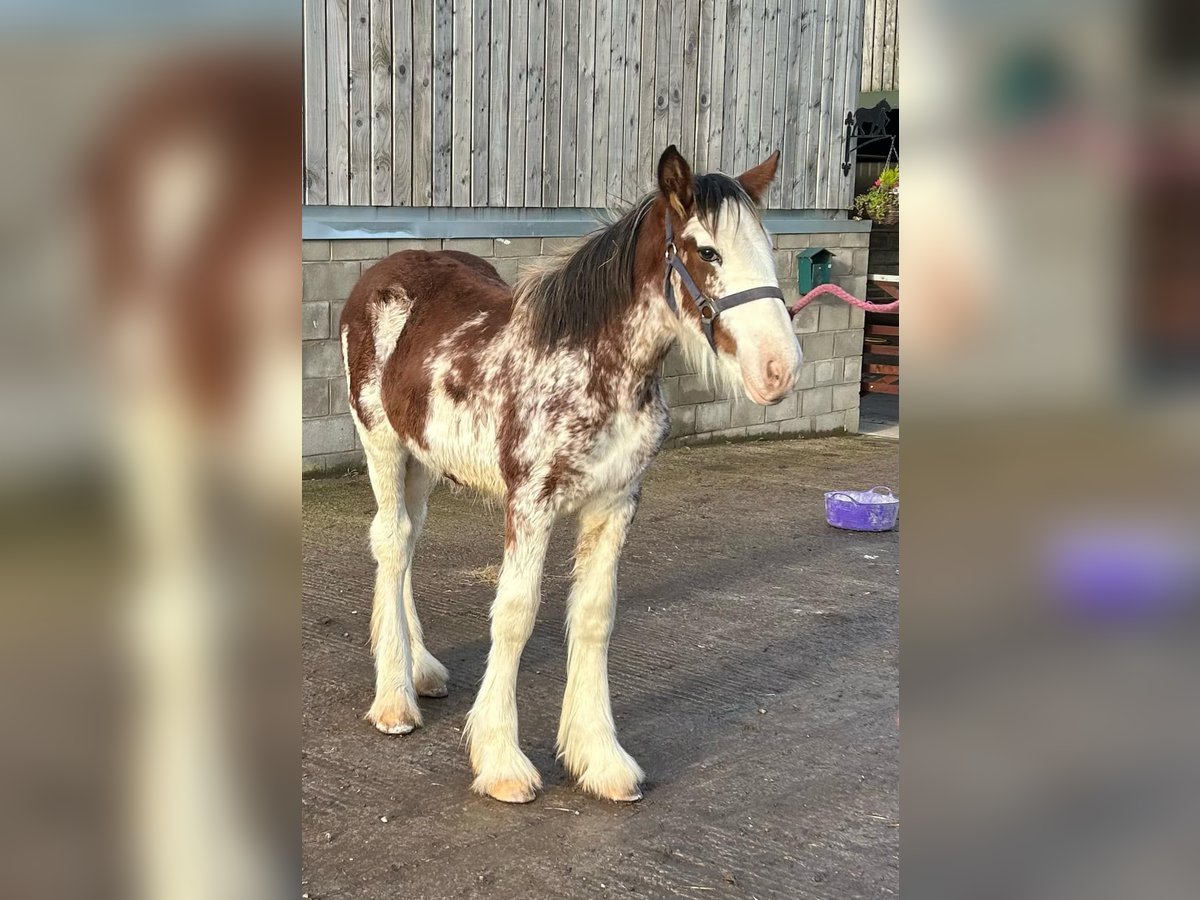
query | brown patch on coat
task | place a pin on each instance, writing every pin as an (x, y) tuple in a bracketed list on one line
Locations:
[(445, 290), (514, 468), (560, 475), (463, 376)]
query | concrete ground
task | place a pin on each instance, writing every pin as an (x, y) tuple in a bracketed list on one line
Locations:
[(754, 675), (879, 416)]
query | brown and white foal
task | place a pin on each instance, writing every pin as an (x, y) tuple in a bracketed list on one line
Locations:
[(549, 397)]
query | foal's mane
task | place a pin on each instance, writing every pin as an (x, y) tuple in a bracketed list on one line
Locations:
[(572, 300)]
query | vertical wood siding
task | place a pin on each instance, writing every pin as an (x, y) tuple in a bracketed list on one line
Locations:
[(879, 51), (568, 103)]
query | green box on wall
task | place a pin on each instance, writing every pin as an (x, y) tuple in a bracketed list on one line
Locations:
[(814, 265)]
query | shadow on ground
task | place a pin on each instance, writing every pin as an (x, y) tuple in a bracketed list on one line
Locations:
[(754, 673)]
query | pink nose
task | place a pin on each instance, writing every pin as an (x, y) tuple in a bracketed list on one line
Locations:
[(778, 379)]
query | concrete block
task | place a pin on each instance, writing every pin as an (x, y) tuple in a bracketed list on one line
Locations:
[(852, 420), (314, 251), (312, 466), (835, 316), (799, 425), (843, 263), (509, 268), (828, 371), (360, 249), (784, 409), (315, 400), (559, 246), (825, 239), (763, 430), (428, 244), (477, 246), (816, 401), (329, 281), (517, 247), (730, 434), (334, 434), (855, 285), (807, 376), (315, 325), (856, 239), (683, 420), (335, 319), (675, 364), (322, 359), (713, 416), (339, 397), (785, 265), (848, 343), (341, 463), (694, 389), (745, 412), (858, 317), (858, 265), (807, 320), (829, 423), (670, 390), (819, 345), (852, 369), (845, 396)]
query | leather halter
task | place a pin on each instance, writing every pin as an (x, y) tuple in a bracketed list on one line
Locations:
[(709, 307)]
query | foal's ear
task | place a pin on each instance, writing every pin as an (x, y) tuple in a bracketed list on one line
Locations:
[(675, 180), (757, 180)]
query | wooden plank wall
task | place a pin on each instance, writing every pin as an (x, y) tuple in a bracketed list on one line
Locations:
[(880, 51), (568, 103)]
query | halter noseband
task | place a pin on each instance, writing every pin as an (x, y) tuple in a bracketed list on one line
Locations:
[(710, 307)]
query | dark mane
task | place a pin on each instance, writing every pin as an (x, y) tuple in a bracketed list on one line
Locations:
[(573, 300), (710, 193)]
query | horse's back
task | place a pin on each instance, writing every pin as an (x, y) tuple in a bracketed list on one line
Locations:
[(396, 318)]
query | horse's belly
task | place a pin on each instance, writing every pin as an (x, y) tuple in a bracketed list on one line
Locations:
[(460, 445)]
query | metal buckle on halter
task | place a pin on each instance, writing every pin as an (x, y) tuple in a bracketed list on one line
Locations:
[(708, 310), (672, 250)]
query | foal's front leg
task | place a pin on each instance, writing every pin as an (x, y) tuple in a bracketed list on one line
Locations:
[(587, 735), (502, 771)]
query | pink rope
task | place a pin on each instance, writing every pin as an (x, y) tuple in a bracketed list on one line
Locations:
[(841, 295)]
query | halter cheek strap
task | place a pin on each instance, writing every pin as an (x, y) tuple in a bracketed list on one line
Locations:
[(709, 307)]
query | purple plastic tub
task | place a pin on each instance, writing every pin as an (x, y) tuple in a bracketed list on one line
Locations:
[(873, 510)]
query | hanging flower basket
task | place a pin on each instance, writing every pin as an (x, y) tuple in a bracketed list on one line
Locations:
[(881, 203)]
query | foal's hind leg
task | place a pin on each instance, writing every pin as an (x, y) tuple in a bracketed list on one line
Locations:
[(502, 771), (587, 735), (395, 709), (429, 675)]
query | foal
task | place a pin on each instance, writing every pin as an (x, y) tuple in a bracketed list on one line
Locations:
[(549, 397)]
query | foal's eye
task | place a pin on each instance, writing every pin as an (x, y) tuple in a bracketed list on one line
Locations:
[(708, 254)]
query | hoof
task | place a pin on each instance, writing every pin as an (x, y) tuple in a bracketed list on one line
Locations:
[(631, 797), (436, 691), (511, 791), (391, 720)]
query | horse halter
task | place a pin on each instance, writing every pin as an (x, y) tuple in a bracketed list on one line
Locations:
[(710, 307)]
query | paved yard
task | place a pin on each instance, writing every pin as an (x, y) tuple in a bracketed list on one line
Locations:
[(754, 676)]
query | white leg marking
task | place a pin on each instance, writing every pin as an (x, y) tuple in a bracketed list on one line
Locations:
[(587, 735), (429, 675), (395, 709), (502, 771)]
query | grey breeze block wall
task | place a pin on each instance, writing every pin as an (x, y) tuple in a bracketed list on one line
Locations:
[(825, 400)]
